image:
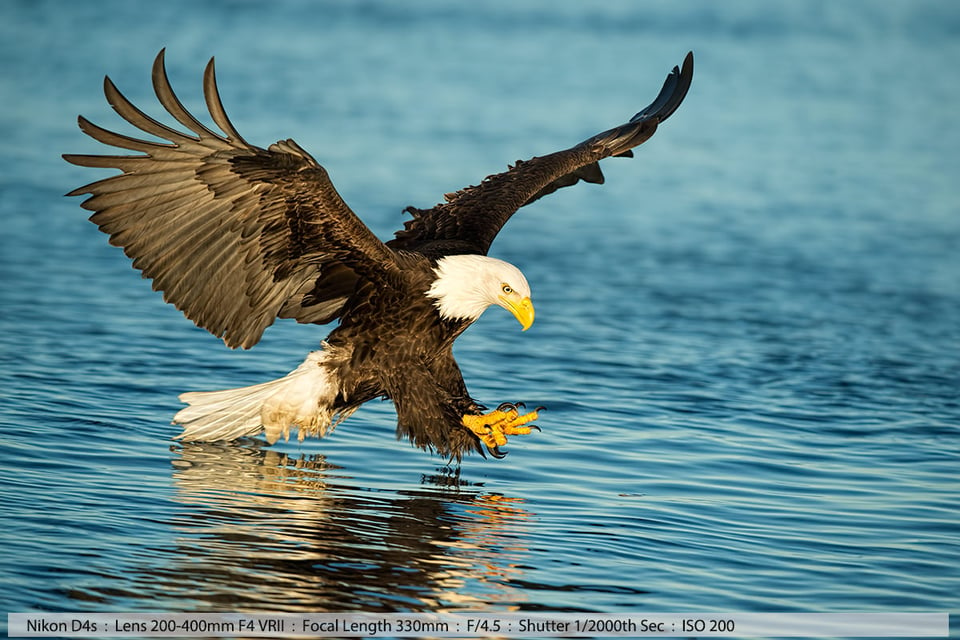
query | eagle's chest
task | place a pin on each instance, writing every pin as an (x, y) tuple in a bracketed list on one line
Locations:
[(387, 327), (387, 341)]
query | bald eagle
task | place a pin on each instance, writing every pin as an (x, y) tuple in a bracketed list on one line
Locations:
[(236, 236)]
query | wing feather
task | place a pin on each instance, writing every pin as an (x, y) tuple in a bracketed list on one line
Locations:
[(114, 139), (170, 102), (233, 234), (215, 106), (129, 112), (471, 218)]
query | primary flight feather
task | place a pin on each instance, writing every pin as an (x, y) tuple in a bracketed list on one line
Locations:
[(236, 236)]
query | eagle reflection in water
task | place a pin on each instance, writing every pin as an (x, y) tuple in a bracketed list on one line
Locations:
[(261, 530)]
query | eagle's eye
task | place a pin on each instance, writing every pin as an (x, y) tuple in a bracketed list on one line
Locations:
[(506, 289)]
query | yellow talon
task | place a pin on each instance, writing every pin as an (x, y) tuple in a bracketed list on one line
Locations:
[(493, 428), (516, 425)]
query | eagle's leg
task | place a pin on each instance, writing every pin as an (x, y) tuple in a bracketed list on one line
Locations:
[(493, 428)]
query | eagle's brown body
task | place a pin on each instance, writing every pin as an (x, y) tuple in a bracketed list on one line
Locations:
[(399, 347)]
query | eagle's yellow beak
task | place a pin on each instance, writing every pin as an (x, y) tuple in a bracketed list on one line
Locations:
[(521, 308)]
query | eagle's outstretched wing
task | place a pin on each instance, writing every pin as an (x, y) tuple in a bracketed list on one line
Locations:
[(470, 219), (234, 235)]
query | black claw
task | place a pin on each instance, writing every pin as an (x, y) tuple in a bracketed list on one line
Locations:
[(533, 426), (520, 405), (507, 406), (540, 408), (497, 453)]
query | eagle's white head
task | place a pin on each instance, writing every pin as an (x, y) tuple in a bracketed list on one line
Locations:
[(467, 284)]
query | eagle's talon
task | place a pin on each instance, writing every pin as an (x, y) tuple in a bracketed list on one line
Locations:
[(493, 428), (519, 430), (497, 453)]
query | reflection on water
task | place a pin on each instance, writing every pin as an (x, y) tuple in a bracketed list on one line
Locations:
[(262, 530)]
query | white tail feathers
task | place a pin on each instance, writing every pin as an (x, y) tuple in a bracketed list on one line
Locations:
[(303, 398)]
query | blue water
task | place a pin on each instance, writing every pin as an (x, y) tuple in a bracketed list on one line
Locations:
[(748, 339)]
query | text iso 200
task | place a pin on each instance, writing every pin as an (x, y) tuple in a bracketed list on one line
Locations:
[(699, 625)]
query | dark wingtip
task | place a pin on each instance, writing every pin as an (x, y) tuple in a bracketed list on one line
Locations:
[(672, 93), (686, 72), (683, 86)]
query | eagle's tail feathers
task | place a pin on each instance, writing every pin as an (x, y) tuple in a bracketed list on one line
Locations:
[(303, 398)]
